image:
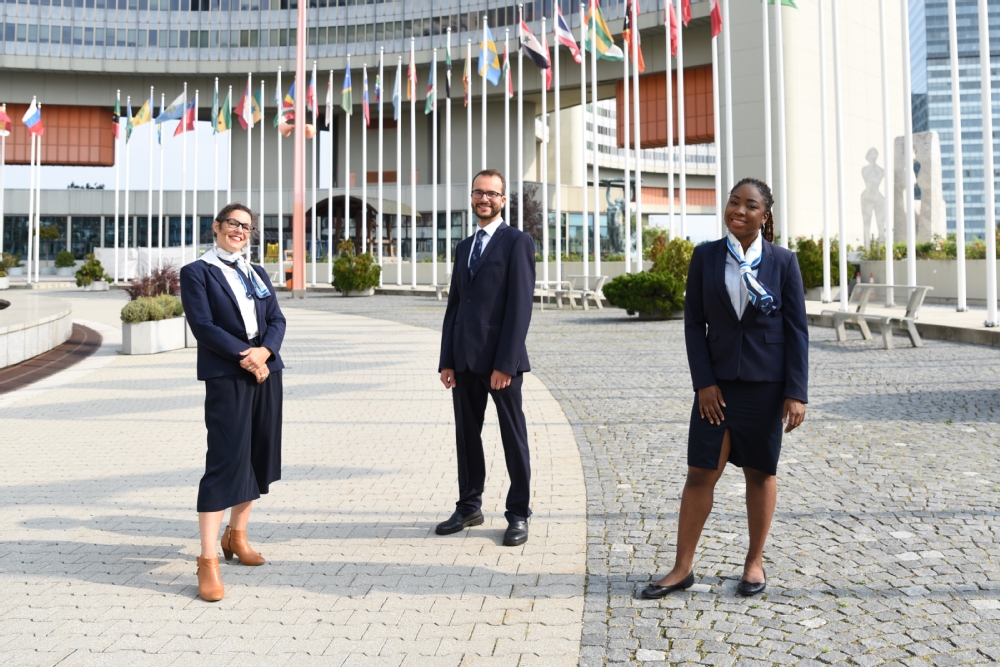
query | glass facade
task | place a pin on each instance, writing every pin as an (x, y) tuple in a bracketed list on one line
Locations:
[(939, 116)]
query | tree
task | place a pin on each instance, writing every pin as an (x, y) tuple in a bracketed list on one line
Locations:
[(532, 211)]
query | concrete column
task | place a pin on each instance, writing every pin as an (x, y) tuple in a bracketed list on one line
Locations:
[(69, 233)]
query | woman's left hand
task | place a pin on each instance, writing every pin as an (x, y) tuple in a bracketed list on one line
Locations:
[(793, 414), (255, 360)]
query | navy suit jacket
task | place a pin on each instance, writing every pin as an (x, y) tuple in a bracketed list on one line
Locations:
[(756, 347), (486, 322), (215, 320)]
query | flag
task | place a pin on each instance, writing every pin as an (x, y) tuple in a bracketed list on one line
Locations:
[(627, 36), (411, 78), (128, 120), (286, 107), (686, 12), (465, 78), (311, 93), (395, 98), (215, 109), (715, 13), (596, 26), (245, 109), (784, 3), (258, 103), (429, 100), (187, 120), (346, 98), (548, 70), (116, 119), (531, 47), (172, 112), (224, 120), (159, 125), (489, 61), (364, 98), (329, 100), (506, 73), (378, 88), (673, 28), (565, 36), (4, 122), (447, 71)]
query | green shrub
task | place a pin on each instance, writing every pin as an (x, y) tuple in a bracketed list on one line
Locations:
[(49, 233), (150, 309), (646, 292), (673, 257), (65, 260), (91, 271), (353, 273), (810, 256), (10, 261)]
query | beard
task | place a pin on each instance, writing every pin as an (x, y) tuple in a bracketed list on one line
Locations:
[(494, 210)]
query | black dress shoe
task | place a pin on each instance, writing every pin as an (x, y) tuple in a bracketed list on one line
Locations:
[(654, 592), (516, 533), (457, 523), (747, 588)]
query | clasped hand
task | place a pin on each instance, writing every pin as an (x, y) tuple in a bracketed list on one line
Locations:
[(498, 380), (710, 404), (255, 361)]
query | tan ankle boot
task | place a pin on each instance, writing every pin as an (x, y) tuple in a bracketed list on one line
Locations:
[(210, 586), (235, 542)]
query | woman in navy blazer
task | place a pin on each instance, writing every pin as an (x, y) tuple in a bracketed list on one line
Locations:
[(747, 345), (232, 310)]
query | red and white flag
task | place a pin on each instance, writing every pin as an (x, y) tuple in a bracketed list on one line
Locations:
[(715, 11), (565, 36), (548, 70), (627, 35)]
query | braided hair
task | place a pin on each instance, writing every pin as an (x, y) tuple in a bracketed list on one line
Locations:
[(765, 193)]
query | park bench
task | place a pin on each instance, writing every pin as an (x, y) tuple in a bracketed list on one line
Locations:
[(861, 296), (441, 291), (578, 287)]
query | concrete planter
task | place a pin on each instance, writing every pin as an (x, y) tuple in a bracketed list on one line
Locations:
[(65, 270), (15, 271), (368, 292), (657, 315), (97, 286), (153, 337), (46, 270), (189, 339), (5, 283), (816, 293), (941, 274)]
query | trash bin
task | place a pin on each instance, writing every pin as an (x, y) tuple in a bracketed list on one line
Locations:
[(288, 279)]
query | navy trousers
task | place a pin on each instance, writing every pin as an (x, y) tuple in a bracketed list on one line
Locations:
[(244, 440), (469, 395)]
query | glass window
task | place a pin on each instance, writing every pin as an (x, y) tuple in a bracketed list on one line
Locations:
[(99, 36), (120, 41), (45, 3), (142, 38), (407, 29), (234, 38), (184, 39), (379, 32), (283, 37), (254, 39), (351, 34), (100, 4), (292, 37), (22, 31), (131, 38), (88, 36), (173, 39), (333, 34), (387, 31), (174, 5), (8, 32), (32, 33), (78, 35), (244, 38), (54, 33), (274, 38), (313, 37), (132, 4), (263, 37), (67, 34), (225, 5), (143, 5), (224, 39), (90, 4), (203, 39), (78, 3), (215, 39), (152, 37), (163, 38), (43, 34), (154, 5)]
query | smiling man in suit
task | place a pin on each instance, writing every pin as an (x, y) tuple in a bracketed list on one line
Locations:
[(483, 354)]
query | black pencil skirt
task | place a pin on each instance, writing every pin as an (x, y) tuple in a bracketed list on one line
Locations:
[(753, 417), (244, 440)]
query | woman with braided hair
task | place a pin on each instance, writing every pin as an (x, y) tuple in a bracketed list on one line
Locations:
[(747, 347)]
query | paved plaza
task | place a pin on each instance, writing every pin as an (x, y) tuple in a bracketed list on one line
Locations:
[(885, 548)]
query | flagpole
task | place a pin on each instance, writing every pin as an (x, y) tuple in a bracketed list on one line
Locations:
[(381, 215), (596, 153), (887, 152), (841, 178), (434, 170), (248, 113), (128, 103), (195, 223), (545, 168), (520, 119), (118, 150), (468, 132), (332, 127), (827, 297), (670, 122), (482, 132), (728, 67), (347, 164), (363, 222), (413, 167), (447, 159), (315, 169), (299, 153), (399, 176), (779, 51), (627, 188), (31, 209), (38, 207), (911, 218), (956, 124), (261, 242), (149, 194), (506, 120), (990, 229), (583, 140), (681, 124), (3, 161), (558, 156), (184, 161), (636, 109), (281, 167), (229, 154), (768, 151), (159, 258), (719, 224), (215, 150)]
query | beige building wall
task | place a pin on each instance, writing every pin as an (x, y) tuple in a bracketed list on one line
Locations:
[(862, 105)]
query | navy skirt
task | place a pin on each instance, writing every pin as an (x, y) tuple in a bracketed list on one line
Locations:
[(753, 417)]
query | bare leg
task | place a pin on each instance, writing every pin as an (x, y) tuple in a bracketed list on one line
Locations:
[(208, 525), (239, 515), (762, 496), (696, 504)]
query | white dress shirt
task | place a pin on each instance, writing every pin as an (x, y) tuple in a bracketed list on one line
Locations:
[(248, 307), (490, 230), (735, 285)]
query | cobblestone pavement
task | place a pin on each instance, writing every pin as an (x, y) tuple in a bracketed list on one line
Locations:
[(98, 531), (884, 549)]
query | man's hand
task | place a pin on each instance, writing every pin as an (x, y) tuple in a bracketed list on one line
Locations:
[(793, 414), (448, 378), (499, 380), (710, 404)]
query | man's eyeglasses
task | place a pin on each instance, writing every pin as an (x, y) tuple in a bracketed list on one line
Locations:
[(235, 224), (489, 194)]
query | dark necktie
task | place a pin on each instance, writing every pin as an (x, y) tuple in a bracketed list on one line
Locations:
[(477, 251)]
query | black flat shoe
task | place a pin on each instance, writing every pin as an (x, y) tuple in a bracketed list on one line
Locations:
[(456, 523), (516, 534), (747, 588), (654, 592)]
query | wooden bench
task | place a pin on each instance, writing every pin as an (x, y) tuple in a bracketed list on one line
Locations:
[(861, 296)]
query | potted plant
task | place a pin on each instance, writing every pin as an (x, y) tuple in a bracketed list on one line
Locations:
[(659, 292), (12, 264), (91, 276), (355, 275), (48, 233), (152, 324), (65, 263)]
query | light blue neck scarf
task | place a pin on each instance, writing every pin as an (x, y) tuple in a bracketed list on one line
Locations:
[(760, 297), (239, 262)]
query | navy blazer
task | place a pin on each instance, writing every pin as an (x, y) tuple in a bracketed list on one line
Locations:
[(486, 322), (756, 347), (215, 320)]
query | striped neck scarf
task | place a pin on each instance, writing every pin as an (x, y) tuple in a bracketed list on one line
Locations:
[(760, 298), (238, 261)]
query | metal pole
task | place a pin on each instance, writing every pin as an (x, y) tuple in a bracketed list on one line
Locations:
[(597, 153), (956, 133), (545, 171), (681, 122), (727, 62), (413, 173), (827, 279), (381, 215), (399, 184), (988, 166), (149, 194), (583, 141), (887, 152), (299, 180), (434, 170), (841, 185), (779, 51), (636, 109), (447, 164), (558, 116), (628, 173)]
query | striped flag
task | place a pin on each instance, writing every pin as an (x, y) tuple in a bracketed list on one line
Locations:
[(247, 110), (159, 125), (597, 31), (447, 71), (506, 73), (565, 36), (187, 120), (378, 88), (174, 110), (411, 77), (548, 70), (429, 102), (224, 119), (4, 122), (627, 36), (532, 48), (489, 61), (116, 119), (465, 79), (395, 98), (364, 97), (329, 100), (346, 94), (311, 93)]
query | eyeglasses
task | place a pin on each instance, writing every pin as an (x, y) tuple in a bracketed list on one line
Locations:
[(235, 224), (489, 194)]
